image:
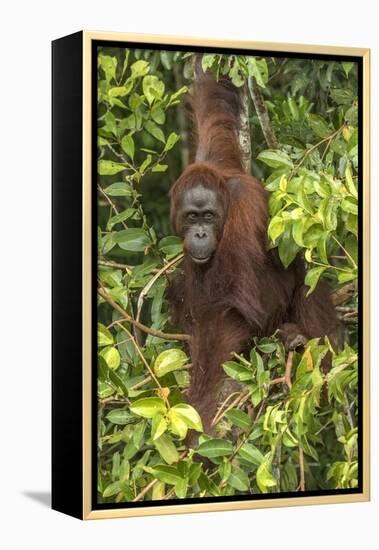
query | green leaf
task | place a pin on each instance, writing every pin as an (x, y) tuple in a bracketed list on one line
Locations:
[(112, 489), (177, 424), (153, 88), (101, 142), (352, 224), (121, 217), (167, 474), (239, 418), (166, 59), (265, 479), (275, 159), (109, 167), (265, 346), (350, 205), (351, 245), (158, 115), (111, 357), (133, 239), (139, 68), (171, 140), (237, 372), (342, 96), (148, 407), (119, 189), (180, 92), (120, 91), (319, 125), (108, 64), (138, 432), (169, 360), (171, 246), (258, 69), (159, 490), (119, 416), (158, 426), (181, 488), (159, 168), (154, 130), (190, 416), (235, 74), (194, 473), (215, 447), (207, 61), (298, 230), (250, 453), (238, 479), (166, 449), (287, 248), (289, 440), (312, 277), (350, 183), (104, 336), (127, 145), (224, 470), (104, 390), (117, 382), (321, 247), (145, 164), (347, 66), (346, 277), (276, 228), (110, 123)]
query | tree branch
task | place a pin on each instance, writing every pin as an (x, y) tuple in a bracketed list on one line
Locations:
[(262, 114), (302, 474), (116, 265), (343, 294), (244, 132), (144, 328)]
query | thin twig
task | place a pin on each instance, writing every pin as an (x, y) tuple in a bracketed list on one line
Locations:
[(279, 380), (223, 404), (112, 205), (243, 440), (346, 252), (302, 475), (170, 494), (144, 328), (138, 349), (309, 151), (116, 265), (144, 491), (218, 416), (121, 157), (152, 483), (148, 286), (287, 374)]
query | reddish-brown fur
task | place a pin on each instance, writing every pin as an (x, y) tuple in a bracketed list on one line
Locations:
[(244, 291)]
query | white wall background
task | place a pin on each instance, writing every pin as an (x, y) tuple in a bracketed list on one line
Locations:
[(26, 29)]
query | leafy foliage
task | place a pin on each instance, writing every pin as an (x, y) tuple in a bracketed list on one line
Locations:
[(290, 426)]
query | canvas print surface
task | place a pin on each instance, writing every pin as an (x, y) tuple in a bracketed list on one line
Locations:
[(228, 325)]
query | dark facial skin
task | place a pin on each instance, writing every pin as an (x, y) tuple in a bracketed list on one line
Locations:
[(200, 221)]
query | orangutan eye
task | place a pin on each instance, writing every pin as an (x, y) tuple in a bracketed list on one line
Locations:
[(192, 217), (209, 217)]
